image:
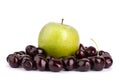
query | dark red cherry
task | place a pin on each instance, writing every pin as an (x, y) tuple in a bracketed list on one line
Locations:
[(106, 54), (27, 63), (83, 65), (101, 52), (91, 51), (80, 54), (108, 60), (13, 61), (69, 63), (98, 63), (41, 51), (31, 50), (41, 62), (55, 65)]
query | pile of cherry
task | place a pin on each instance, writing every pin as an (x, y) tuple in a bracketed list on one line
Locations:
[(85, 59)]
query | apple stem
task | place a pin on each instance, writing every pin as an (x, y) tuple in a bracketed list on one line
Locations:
[(96, 46), (62, 21)]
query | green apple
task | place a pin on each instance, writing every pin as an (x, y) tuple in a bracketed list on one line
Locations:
[(58, 40)]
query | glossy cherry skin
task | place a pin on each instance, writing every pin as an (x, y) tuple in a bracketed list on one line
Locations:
[(55, 65), (41, 51), (13, 61), (31, 50), (41, 62), (69, 63), (108, 60), (80, 54), (101, 52), (83, 65), (91, 51), (27, 63), (97, 63)]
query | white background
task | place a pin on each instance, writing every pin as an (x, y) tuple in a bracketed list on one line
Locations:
[(21, 21)]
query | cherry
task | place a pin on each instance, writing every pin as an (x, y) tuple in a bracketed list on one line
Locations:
[(80, 54), (13, 61), (101, 52), (41, 51), (31, 50), (55, 65), (69, 63), (91, 51), (83, 65), (27, 63), (108, 60), (98, 63), (41, 62)]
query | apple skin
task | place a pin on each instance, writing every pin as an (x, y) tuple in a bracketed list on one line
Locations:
[(58, 40)]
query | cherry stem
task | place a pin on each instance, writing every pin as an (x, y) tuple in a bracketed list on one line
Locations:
[(62, 21), (96, 46)]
